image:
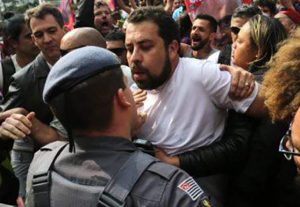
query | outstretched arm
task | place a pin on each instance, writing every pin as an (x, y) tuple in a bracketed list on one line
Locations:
[(242, 82), (242, 86), (168, 6)]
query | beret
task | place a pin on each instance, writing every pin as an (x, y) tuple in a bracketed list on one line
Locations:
[(75, 67)]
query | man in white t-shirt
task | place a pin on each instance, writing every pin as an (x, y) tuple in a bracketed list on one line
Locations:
[(203, 32), (187, 99)]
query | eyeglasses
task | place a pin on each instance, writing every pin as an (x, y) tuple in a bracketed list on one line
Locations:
[(286, 145), (117, 51), (235, 30)]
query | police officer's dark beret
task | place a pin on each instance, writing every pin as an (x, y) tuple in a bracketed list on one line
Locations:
[(77, 66)]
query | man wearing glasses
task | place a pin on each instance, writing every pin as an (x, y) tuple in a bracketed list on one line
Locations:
[(115, 42), (240, 16)]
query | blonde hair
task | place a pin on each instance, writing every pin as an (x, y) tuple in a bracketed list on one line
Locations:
[(265, 34)]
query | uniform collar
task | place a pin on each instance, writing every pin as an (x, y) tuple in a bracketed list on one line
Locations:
[(104, 143)]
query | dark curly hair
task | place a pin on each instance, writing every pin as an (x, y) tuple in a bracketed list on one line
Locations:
[(167, 28)]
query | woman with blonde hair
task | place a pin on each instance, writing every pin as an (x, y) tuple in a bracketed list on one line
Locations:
[(265, 173), (256, 43)]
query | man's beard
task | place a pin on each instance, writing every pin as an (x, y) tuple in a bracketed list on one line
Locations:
[(198, 46), (154, 82)]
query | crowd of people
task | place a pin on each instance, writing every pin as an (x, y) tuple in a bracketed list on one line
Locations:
[(149, 105)]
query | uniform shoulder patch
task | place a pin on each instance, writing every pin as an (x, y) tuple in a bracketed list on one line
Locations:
[(190, 187)]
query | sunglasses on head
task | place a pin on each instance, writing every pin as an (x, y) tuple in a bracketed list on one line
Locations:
[(235, 30)]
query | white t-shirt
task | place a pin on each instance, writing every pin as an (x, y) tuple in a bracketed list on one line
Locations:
[(213, 56), (190, 109)]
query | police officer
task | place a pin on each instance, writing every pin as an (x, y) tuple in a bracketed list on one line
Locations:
[(100, 166)]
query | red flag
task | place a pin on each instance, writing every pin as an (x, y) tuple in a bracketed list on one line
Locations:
[(111, 4), (66, 9), (192, 6), (247, 1), (216, 8)]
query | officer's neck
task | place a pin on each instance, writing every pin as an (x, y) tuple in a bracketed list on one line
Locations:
[(111, 132)]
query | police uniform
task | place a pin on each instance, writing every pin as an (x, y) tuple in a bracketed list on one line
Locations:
[(103, 169)]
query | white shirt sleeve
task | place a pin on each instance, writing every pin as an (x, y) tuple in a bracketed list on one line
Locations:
[(217, 84)]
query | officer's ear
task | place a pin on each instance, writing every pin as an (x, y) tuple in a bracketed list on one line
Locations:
[(122, 98)]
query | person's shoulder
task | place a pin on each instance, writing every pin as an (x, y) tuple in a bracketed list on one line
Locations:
[(152, 184), (49, 148), (194, 63), (44, 157), (215, 53), (163, 170), (44, 154), (19, 75), (6, 60), (41, 164), (190, 63), (196, 69), (26, 74), (168, 186)]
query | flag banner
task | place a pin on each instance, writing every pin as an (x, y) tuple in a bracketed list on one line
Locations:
[(111, 4), (247, 1), (192, 6), (216, 8), (66, 9)]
